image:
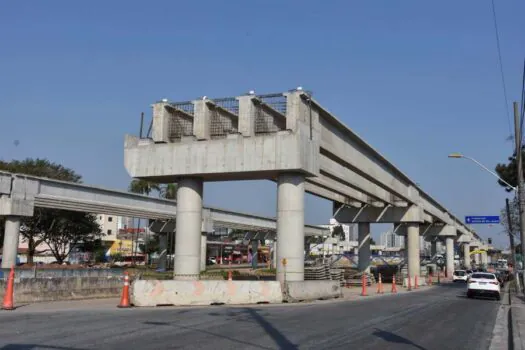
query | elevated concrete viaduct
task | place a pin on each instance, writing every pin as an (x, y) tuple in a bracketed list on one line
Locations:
[(20, 194), (291, 139)]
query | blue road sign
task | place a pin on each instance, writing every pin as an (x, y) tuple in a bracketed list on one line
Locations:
[(482, 219)]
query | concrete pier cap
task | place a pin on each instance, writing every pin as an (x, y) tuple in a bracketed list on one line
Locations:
[(17, 200)]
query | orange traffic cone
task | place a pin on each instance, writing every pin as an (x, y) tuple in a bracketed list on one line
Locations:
[(394, 287), (415, 282), (409, 284), (8, 296), (230, 275), (124, 300), (363, 286)]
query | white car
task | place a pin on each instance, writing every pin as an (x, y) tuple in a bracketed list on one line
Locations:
[(485, 284), (460, 275)]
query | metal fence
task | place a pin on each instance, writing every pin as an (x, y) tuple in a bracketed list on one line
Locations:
[(222, 124), (181, 121), (265, 122)]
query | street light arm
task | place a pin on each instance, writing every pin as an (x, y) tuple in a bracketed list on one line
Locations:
[(490, 171)]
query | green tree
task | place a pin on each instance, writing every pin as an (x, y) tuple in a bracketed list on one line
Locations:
[(509, 172), (140, 186), (69, 229), (33, 229), (338, 232), (168, 191), (150, 245), (309, 240)]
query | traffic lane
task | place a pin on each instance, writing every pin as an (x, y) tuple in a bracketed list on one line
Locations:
[(441, 317)]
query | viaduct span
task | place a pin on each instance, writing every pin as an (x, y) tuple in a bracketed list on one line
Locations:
[(291, 139)]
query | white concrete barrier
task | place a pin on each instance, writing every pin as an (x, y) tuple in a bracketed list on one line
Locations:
[(171, 292), (311, 290)]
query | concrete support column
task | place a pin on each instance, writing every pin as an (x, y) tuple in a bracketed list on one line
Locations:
[(476, 258), (188, 229), (255, 254), (204, 244), (414, 267), (484, 259), (274, 255), (466, 255), (449, 245), (10, 249), (290, 227), (163, 251), (363, 231), (433, 248)]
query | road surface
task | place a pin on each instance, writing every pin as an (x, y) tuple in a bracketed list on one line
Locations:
[(439, 318)]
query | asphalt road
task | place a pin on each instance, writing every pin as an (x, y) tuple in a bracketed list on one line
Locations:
[(439, 318)]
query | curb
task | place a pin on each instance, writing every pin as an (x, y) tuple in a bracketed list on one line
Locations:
[(515, 341)]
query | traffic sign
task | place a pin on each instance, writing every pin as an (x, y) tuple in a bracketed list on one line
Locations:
[(482, 219)]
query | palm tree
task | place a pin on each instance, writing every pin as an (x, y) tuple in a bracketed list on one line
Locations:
[(142, 186), (168, 191)]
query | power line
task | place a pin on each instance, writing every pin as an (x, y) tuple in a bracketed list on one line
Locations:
[(501, 66)]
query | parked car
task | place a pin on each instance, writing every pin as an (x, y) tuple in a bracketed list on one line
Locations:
[(501, 278), (460, 275), (483, 284)]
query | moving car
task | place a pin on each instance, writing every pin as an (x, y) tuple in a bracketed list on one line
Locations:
[(460, 275), (483, 284)]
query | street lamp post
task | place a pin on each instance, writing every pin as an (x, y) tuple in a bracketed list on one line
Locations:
[(522, 221), (459, 155)]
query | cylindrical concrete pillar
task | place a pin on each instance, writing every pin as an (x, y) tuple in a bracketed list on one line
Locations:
[(363, 231), (163, 251), (413, 251), (290, 227), (466, 255), (188, 229), (484, 259), (10, 249), (449, 246), (476, 258), (204, 245)]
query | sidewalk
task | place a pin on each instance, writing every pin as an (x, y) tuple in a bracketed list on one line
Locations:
[(517, 310)]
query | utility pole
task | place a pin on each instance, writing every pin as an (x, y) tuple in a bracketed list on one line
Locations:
[(511, 238), (521, 194)]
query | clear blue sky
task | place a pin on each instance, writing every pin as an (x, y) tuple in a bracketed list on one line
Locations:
[(416, 79)]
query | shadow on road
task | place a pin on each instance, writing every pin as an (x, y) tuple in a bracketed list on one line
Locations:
[(280, 340), (394, 338), (277, 336), (35, 346)]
